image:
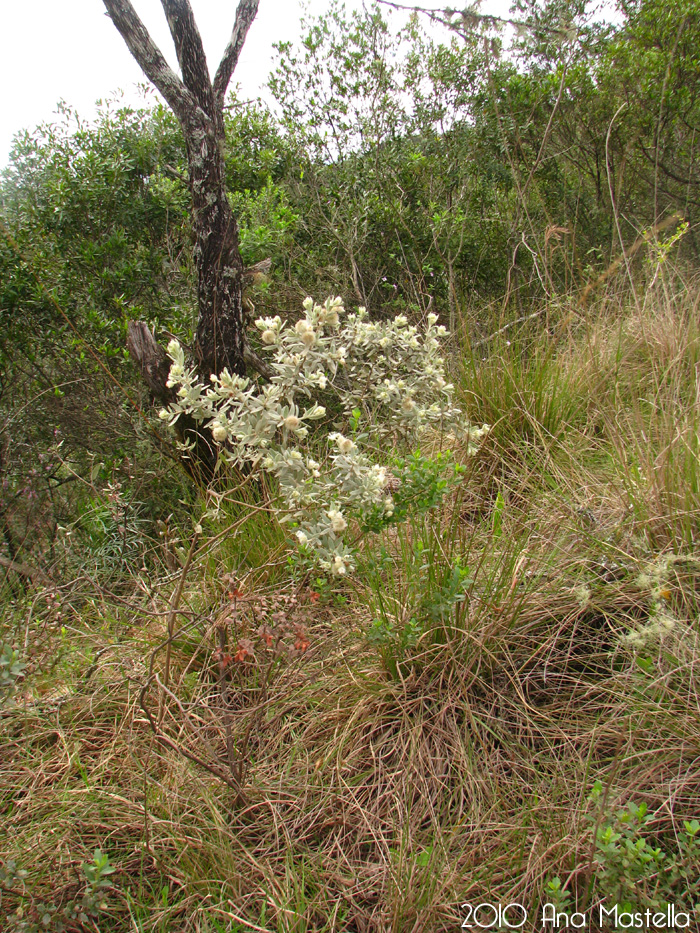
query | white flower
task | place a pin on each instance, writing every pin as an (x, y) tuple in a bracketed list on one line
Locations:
[(175, 375), (344, 444), (302, 537), (269, 323), (338, 522), (268, 336), (315, 412), (219, 432), (475, 434), (303, 327), (291, 422), (338, 566), (308, 338), (388, 506), (408, 404), (432, 318), (308, 304)]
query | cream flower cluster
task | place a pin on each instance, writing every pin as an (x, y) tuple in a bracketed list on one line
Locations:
[(389, 370)]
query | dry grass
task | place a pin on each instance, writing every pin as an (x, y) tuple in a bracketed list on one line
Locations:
[(376, 803)]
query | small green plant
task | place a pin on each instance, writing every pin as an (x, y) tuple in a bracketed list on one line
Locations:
[(394, 641), (10, 875), (557, 895), (421, 484), (11, 672), (96, 874), (52, 918), (633, 872), (417, 588)]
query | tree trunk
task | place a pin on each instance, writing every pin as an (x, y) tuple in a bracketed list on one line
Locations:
[(198, 104), (220, 336)]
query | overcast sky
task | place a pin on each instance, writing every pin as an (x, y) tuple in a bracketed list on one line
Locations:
[(53, 50)]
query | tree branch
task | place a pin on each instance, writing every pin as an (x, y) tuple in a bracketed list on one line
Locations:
[(253, 361), (245, 14), (520, 320), (150, 359), (150, 58), (24, 570), (190, 51), (460, 21)]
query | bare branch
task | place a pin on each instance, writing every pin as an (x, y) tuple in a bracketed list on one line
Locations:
[(245, 14), (520, 320), (172, 172), (24, 570), (437, 16), (256, 273), (190, 51), (253, 361), (470, 18), (150, 58)]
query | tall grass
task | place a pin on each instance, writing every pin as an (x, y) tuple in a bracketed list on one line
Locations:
[(440, 740)]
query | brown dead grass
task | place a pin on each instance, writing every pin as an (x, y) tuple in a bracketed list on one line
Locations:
[(380, 805)]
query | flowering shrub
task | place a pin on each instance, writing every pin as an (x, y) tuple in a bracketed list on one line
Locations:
[(389, 370)]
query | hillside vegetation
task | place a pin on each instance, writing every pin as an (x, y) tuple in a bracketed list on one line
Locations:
[(205, 730)]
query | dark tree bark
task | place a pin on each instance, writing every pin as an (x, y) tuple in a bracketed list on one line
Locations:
[(198, 104)]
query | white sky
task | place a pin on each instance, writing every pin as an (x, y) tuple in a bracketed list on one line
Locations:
[(53, 50)]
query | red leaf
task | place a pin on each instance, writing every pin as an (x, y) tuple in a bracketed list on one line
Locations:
[(245, 650)]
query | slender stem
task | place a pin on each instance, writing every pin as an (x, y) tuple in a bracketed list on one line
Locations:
[(172, 615)]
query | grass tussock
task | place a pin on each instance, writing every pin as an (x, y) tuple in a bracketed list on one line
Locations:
[(462, 722)]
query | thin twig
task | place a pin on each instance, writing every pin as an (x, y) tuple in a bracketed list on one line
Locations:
[(165, 740), (174, 603), (520, 320)]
